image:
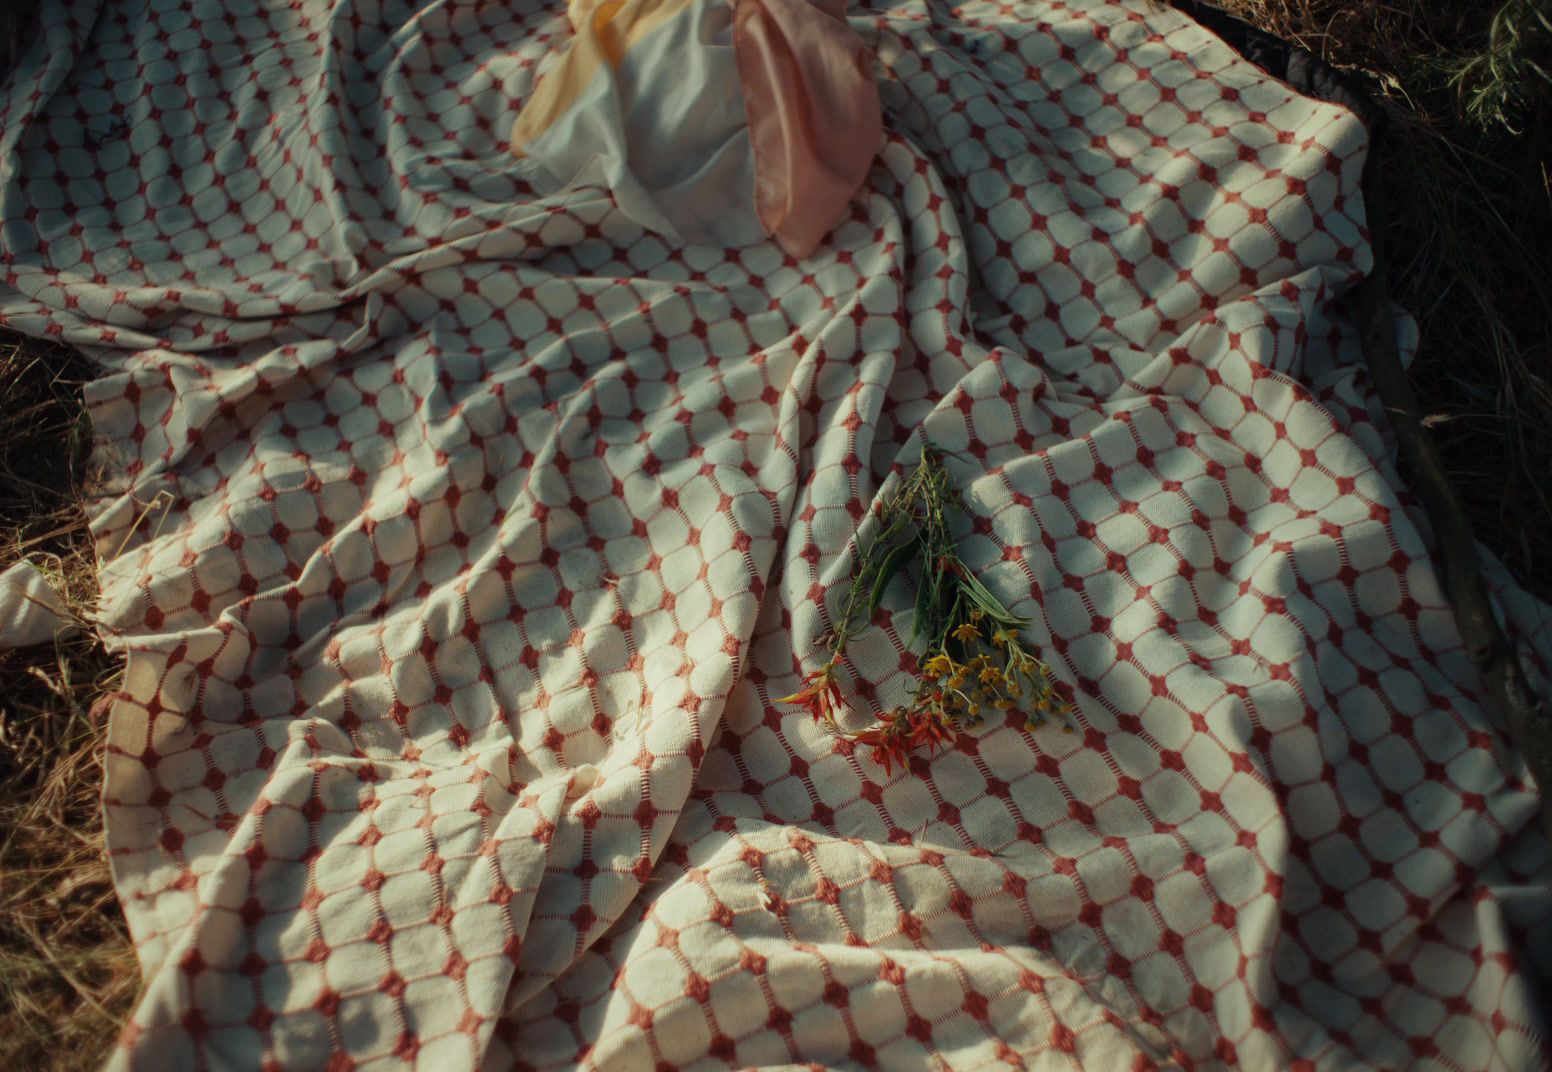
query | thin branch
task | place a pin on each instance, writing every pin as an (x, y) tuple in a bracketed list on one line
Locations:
[(1528, 717)]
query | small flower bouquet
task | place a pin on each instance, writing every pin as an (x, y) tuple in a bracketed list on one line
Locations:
[(976, 660)]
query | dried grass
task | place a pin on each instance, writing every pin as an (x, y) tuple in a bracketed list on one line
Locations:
[(1471, 237), (1467, 166), (67, 973)]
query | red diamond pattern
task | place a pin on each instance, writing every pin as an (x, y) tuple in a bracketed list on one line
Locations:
[(459, 539)]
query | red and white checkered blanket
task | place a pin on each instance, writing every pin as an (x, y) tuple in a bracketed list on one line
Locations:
[(459, 539)]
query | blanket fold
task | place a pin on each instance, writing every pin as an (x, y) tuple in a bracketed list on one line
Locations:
[(460, 529)]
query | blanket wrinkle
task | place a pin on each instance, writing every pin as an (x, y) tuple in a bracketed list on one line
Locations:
[(429, 497)]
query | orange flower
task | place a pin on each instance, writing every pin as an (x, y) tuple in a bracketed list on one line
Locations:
[(819, 694), (929, 730), (889, 746)]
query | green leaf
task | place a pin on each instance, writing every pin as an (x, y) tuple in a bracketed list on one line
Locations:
[(923, 595), (885, 534), (987, 602), (887, 570), (933, 602)]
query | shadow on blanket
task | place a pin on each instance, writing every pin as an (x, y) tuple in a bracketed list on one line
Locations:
[(458, 539)]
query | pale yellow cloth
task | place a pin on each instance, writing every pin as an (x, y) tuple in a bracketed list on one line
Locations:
[(604, 30)]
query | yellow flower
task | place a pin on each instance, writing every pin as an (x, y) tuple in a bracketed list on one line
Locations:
[(1003, 705), (1002, 637), (957, 681), (977, 614), (966, 631), (991, 676), (939, 665)]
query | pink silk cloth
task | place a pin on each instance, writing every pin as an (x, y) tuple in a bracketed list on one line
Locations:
[(814, 117)]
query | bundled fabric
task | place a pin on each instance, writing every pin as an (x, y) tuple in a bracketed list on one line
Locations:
[(31, 610), (709, 121), (460, 530)]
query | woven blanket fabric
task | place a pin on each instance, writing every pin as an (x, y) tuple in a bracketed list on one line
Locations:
[(459, 538)]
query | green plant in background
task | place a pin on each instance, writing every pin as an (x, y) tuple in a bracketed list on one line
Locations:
[(1505, 81), (976, 661)]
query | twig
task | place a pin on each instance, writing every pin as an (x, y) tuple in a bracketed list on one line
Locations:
[(1528, 716)]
